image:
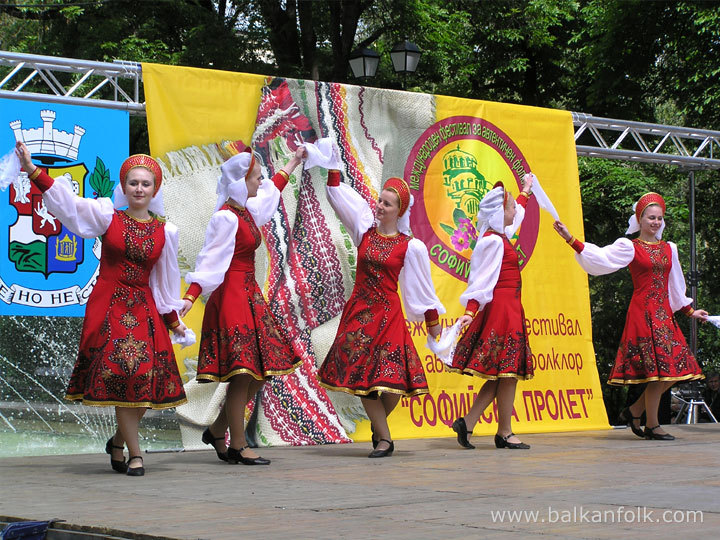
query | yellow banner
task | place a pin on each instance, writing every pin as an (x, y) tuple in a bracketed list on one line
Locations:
[(482, 143), (191, 106), (451, 151)]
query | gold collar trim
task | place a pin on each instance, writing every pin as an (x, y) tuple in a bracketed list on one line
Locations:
[(387, 235), (235, 205), (139, 220)]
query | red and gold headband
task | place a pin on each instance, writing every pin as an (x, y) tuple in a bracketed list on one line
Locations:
[(402, 190), (506, 193), (647, 200), (252, 161), (141, 160), (229, 149)]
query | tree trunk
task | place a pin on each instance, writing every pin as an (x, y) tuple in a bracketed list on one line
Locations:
[(283, 34), (308, 40), (344, 16)]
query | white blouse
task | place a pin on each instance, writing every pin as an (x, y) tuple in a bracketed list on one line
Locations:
[(485, 264), (218, 249), (598, 261), (90, 218), (416, 286)]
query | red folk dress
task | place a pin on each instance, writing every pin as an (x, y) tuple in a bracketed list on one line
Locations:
[(495, 344), (373, 350), (125, 356), (652, 347), (239, 333)]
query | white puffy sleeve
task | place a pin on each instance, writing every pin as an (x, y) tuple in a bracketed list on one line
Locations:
[(264, 204), (214, 258), (85, 217), (676, 283), (485, 264), (352, 209), (165, 275), (416, 286), (598, 261)]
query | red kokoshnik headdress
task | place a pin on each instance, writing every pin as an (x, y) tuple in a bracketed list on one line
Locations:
[(141, 160), (402, 190), (647, 200), (506, 193), (228, 149)]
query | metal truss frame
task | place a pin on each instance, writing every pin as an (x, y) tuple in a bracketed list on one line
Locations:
[(122, 78), (607, 138), (643, 142)]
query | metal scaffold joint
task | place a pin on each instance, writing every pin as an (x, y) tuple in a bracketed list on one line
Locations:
[(110, 85), (646, 143)]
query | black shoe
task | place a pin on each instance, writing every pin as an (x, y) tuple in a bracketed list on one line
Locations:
[(383, 453), (650, 434), (626, 417), (235, 457), (209, 438), (116, 464), (135, 471), (460, 428), (372, 437), (502, 442)]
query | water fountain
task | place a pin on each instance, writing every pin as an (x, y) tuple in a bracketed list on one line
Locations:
[(37, 355)]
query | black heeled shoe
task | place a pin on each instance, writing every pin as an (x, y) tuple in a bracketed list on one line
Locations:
[(502, 442), (651, 435), (116, 464), (627, 418), (372, 437), (209, 438), (461, 429), (383, 453), (135, 471), (235, 457)]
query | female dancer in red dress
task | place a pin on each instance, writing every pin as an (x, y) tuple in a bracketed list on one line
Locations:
[(495, 345), (241, 341), (652, 348), (125, 358), (373, 355)]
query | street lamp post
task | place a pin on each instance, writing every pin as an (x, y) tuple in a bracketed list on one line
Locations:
[(405, 57), (364, 62)]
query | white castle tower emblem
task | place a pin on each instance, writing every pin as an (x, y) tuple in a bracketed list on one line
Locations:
[(48, 140)]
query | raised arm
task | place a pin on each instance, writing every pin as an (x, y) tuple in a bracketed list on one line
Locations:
[(265, 203), (85, 217), (595, 260), (350, 207)]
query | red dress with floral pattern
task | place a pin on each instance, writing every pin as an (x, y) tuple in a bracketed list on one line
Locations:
[(495, 343), (126, 357), (239, 333), (652, 347), (373, 350)]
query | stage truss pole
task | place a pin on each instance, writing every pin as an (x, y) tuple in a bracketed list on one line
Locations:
[(87, 86)]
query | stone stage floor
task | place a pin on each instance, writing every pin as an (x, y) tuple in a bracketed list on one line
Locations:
[(597, 484)]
